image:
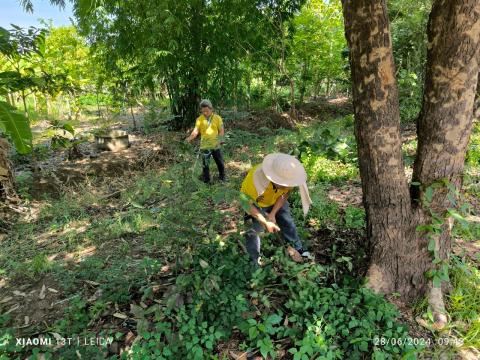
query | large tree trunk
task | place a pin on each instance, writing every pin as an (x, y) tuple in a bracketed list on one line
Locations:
[(399, 255), (445, 123), (377, 129)]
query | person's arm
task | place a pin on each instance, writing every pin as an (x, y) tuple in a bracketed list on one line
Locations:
[(270, 226), (222, 135), (193, 135), (221, 132), (277, 206)]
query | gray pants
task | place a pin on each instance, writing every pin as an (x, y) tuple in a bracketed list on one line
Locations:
[(285, 223)]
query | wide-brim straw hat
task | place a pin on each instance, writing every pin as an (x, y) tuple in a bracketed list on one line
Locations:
[(284, 170)]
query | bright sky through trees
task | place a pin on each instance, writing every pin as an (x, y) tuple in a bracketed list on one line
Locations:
[(12, 13)]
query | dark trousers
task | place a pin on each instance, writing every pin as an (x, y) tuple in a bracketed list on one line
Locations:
[(285, 223), (217, 156)]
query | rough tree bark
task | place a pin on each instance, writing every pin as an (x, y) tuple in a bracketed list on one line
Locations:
[(7, 189), (399, 256), (377, 130), (445, 123)]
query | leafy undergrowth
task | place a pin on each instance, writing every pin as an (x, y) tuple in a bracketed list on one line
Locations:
[(152, 263)]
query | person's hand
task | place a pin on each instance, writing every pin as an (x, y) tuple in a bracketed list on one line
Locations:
[(271, 227), (271, 218)]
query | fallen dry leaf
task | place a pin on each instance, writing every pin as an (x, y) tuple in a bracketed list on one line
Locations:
[(93, 283), (238, 356), (129, 338), (6, 299), (41, 296), (19, 293), (294, 255), (13, 308), (52, 290), (120, 316)]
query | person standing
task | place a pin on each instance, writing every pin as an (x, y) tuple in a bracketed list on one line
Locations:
[(267, 185), (210, 127)]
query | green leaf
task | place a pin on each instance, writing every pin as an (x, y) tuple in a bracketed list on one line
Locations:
[(17, 127), (431, 245), (429, 194), (453, 213), (274, 319), (252, 333), (68, 127), (363, 346)]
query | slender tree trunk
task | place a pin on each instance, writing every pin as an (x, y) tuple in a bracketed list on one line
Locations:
[(249, 91), (98, 106), (24, 101), (11, 96), (35, 106), (133, 118), (399, 255), (47, 106), (293, 112), (303, 85), (69, 109), (274, 105)]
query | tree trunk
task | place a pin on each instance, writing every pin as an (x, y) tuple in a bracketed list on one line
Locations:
[(11, 98), (445, 123), (7, 188), (35, 105), (293, 112), (476, 107), (69, 109), (377, 130), (47, 106), (249, 96), (399, 255), (24, 101), (133, 118)]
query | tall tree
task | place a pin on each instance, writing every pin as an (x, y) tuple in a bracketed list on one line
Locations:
[(188, 44), (406, 260)]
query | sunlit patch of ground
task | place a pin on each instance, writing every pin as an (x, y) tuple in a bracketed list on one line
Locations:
[(349, 194)]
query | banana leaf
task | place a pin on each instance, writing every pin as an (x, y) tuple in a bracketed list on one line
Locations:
[(16, 126)]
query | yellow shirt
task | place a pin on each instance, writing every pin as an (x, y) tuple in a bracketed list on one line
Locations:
[(268, 198), (209, 132)]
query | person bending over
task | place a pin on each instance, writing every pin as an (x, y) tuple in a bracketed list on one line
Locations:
[(268, 185)]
